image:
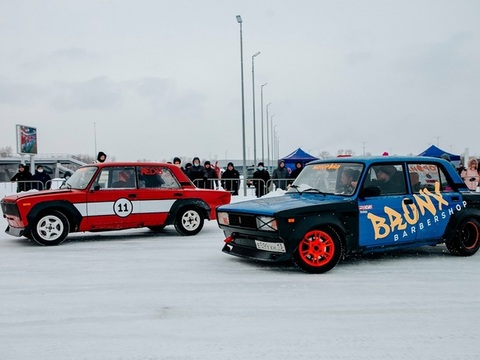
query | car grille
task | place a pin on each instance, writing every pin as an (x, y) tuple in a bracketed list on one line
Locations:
[(243, 221)]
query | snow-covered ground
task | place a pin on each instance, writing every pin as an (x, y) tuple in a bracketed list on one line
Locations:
[(135, 294)]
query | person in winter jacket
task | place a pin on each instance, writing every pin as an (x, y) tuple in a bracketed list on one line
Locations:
[(298, 169), (260, 180), (281, 173), (196, 172), (209, 176), (101, 157), (23, 178), (42, 179), (231, 179), (177, 161), (470, 174)]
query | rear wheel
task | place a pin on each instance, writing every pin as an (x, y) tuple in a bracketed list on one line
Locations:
[(466, 239), (189, 221), (50, 228), (319, 251)]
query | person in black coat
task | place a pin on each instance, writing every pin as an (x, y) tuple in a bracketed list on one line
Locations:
[(196, 172), (298, 169), (231, 179), (42, 179), (208, 177), (260, 180), (22, 178)]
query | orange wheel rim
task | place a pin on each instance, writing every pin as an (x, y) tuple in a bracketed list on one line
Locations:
[(470, 235), (317, 248)]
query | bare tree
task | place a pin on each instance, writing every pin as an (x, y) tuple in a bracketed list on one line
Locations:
[(6, 151)]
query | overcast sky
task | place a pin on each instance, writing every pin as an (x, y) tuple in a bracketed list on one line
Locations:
[(157, 79)]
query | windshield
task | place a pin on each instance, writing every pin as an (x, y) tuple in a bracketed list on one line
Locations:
[(328, 178), (80, 178)]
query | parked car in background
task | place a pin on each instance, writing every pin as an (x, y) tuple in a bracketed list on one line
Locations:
[(113, 196), (350, 205)]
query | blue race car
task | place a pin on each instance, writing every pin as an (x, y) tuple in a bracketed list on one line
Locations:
[(356, 205)]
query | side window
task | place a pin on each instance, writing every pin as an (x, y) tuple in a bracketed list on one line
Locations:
[(157, 177), (426, 176), (116, 178), (385, 180)]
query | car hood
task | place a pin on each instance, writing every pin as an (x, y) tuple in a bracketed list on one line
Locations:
[(35, 194), (272, 205)]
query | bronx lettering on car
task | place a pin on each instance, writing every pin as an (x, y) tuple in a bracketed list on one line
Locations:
[(426, 210)]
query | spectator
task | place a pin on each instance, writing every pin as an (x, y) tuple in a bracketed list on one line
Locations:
[(470, 174), (209, 176), (280, 173), (42, 179), (298, 169), (447, 157), (23, 178), (177, 161), (196, 172), (231, 179), (260, 179), (101, 157)]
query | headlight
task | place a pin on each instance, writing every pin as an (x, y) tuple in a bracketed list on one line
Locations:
[(223, 218), (266, 223)]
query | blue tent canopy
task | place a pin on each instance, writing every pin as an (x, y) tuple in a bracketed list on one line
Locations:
[(297, 155), (437, 152)]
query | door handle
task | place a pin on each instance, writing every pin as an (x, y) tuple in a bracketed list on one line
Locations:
[(408, 201), (177, 194), (132, 196)]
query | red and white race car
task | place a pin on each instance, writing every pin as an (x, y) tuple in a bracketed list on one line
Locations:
[(113, 196)]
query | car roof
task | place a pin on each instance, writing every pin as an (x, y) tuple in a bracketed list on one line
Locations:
[(380, 159)]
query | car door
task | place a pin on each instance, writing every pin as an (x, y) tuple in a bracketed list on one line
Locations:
[(111, 205), (158, 191), (384, 208), (434, 199)]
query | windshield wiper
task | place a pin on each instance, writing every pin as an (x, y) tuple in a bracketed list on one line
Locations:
[(314, 190)]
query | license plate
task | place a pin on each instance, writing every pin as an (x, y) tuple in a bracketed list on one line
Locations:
[(267, 246)]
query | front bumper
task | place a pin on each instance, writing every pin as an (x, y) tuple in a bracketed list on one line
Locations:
[(15, 231), (246, 248)]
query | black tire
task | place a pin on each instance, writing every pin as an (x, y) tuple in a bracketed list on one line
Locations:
[(318, 251), (466, 238), (157, 228), (189, 221), (50, 228)]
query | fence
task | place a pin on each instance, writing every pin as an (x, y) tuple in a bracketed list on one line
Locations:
[(268, 186), (11, 187)]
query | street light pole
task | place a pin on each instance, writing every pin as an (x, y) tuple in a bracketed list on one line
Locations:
[(261, 93), (271, 131), (268, 137), (239, 20), (254, 125)]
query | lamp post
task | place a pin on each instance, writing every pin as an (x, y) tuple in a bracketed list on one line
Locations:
[(239, 20), (274, 141), (271, 134), (268, 137), (261, 97), (254, 125)]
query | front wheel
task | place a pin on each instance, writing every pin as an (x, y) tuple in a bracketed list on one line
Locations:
[(50, 228), (466, 239), (318, 251), (189, 221)]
